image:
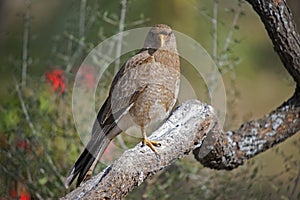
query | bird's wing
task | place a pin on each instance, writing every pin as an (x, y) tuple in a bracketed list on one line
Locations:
[(124, 90), (123, 93)]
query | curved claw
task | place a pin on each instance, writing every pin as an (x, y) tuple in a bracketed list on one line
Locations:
[(151, 144)]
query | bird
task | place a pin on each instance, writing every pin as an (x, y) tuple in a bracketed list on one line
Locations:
[(142, 93)]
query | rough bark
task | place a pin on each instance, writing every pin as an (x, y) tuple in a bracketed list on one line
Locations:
[(227, 151), (281, 28), (194, 126), (180, 134), (295, 7)]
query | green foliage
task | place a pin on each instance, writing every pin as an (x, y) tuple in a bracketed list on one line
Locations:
[(35, 156)]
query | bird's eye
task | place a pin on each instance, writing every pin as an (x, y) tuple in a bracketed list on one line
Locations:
[(166, 33)]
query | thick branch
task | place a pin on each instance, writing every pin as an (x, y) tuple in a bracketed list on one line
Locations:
[(183, 131), (279, 23), (193, 126), (229, 150)]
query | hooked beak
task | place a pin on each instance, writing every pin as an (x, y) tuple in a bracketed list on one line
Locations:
[(162, 40)]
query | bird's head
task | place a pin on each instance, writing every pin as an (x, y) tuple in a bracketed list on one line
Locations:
[(160, 36)]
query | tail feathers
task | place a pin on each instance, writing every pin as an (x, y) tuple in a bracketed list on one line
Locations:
[(79, 167), (85, 169), (84, 163)]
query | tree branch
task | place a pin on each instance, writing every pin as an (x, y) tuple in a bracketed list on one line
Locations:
[(281, 28), (25, 42), (193, 126), (185, 130), (229, 150)]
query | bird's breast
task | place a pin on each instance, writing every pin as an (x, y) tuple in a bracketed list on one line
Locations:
[(159, 96)]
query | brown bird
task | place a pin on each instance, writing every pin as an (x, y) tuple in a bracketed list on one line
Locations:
[(142, 93)]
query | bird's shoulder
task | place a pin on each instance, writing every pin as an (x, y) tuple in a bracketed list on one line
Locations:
[(144, 56), (121, 96)]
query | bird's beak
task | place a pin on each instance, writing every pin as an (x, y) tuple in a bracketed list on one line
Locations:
[(162, 40)]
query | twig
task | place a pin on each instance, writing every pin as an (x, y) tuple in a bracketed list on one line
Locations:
[(11, 173), (25, 42), (119, 49), (215, 29), (54, 169), (229, 37), (25, 111), (139, 22), (109, 20), (214, 21), (232, 27), (27, 117), (120, 36), (2, 108), (295, 185), (82, 19), (81, 36), (207, 16), (38, 196)]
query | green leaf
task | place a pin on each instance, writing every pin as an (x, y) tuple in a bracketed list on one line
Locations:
[(43, 181), (11, 118), (44, 103)]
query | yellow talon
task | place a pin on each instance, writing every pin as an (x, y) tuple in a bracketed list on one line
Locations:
[(151, 144)]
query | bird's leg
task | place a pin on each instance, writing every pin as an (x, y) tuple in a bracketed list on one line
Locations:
[(149, 143)]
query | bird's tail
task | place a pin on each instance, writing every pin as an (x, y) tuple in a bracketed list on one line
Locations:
[(85, 161)]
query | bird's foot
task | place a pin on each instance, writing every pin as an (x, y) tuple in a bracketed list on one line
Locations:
[(151, 144)]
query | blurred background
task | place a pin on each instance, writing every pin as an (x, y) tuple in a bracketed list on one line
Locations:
[(43, 43)]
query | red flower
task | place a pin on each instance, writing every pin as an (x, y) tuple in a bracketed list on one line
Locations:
[(56, 79), (25, 197), (18, 188), (86, 74), (23, 145)]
